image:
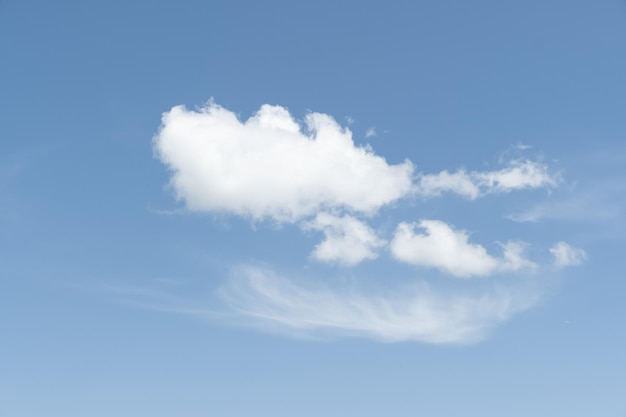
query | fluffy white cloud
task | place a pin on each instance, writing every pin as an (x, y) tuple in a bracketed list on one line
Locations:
[(566, 255), (262, 299), (449, 250), (520, 174), (347, 241), (270, 167)]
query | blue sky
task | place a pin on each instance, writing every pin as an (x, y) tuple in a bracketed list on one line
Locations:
[(329, 209)]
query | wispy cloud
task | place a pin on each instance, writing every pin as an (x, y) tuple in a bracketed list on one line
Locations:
[(260, 298), (520, 174), (566, 255), (599, 201)]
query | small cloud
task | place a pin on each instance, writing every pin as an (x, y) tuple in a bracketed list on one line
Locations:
[(348, 241), (513, 258), (518, 175), (566, 255), (370, 133), (460, 182), (449, 250)]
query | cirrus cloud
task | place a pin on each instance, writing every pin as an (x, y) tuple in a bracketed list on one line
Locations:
[(260, 298)]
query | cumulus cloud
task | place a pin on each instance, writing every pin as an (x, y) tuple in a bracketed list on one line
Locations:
[(449, 250), (265, 300), (518, 175), (348, 241), (566, 255), (271, 167)]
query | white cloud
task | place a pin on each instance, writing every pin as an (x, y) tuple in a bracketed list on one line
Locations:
[(449, 250), (347, 241), (566, 255), (459, 182), (370, 133), (513, 258), (520, 174), (269, 167), (262, 299)]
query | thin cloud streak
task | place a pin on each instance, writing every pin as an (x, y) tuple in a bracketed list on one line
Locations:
[(260, 298), (596, 202)]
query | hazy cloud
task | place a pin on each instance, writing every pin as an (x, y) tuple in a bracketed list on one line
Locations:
[(598, 201), (566, 255), (260, 298)]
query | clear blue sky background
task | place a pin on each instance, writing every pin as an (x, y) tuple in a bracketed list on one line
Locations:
[(93, 243)]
